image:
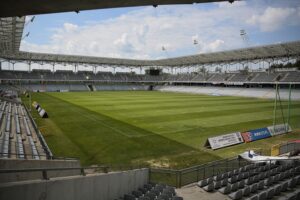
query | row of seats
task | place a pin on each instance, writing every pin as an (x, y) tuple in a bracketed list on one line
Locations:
[(132, 77), (253, 178), (152, 191), (18, 138)]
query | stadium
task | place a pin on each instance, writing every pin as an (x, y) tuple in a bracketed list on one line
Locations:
[(219, 124)]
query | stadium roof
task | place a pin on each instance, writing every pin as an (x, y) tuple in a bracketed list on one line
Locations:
[(13, 8), (11, 30), (290, 49)]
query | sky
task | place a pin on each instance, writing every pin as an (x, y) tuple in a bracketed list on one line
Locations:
[(141, 32)]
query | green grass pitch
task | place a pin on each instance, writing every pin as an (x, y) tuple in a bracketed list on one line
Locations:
[(151, 128)]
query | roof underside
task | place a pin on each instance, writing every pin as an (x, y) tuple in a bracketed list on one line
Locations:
[(12, 8), (11, 30), (291, 50)]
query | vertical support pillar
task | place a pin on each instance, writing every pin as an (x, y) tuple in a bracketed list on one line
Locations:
[(289, 108), (0, 65), (275, 106)]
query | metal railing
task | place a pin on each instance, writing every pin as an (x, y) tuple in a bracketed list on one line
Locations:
[(181, 177), (47, 173)]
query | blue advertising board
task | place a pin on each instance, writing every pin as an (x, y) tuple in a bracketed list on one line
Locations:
[(256, 134)]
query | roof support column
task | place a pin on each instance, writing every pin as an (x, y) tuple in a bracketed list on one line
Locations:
[(0, 65)]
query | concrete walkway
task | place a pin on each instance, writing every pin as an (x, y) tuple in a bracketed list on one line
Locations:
[(193, 192)]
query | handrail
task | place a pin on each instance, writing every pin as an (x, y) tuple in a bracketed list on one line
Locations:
[(45, 171)]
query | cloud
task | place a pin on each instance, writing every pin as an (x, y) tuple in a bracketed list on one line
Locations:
[(141, 33), (274, 18)]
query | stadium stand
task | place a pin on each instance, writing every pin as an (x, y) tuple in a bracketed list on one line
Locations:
[(264, 180), (18, 136), (66, 75)]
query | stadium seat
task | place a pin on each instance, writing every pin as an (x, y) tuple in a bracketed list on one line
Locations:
[(241, 183), (155, 191), (236, 195), (277, 189), (224, 182), (232, 179), (217, 184), (217, 177), (249, 181), (253, 188), (209, 187), (292, 183), (234, 187), (260, 185), (270, 193), (269, 181), (163, 197), (202, 183), (137, 194), (284, 186), (262, 195), (246, 191), (150, 195), (225, 190), (143, 190)]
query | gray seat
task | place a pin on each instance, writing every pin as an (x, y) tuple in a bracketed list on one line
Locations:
[(234, 187), (236, 195), (163, 197), (224, 182), (209, 188), (202, 183), (262, 195), (256, 179), (217, 184), (292, 183), (298, 180), (246, 191), (269, 181), (240, 177), (276, 178), (253, 187), (245, 175), (137, 194), (232, 179), (277, 189), (287, 174), (241, 183), (260, 185), (224, 176), (281, 176), (225, 190), (284, 186), (217, 177), (151, 195), (229, 174), (249, 181), (155, 191), (270, 193)]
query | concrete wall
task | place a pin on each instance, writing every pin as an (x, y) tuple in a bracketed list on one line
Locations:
[(92, 187), (29, 164)]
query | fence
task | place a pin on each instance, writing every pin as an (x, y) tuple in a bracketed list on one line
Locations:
[(283, 148), (182, 177)]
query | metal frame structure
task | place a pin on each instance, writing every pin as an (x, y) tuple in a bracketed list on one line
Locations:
[(11, 30)]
